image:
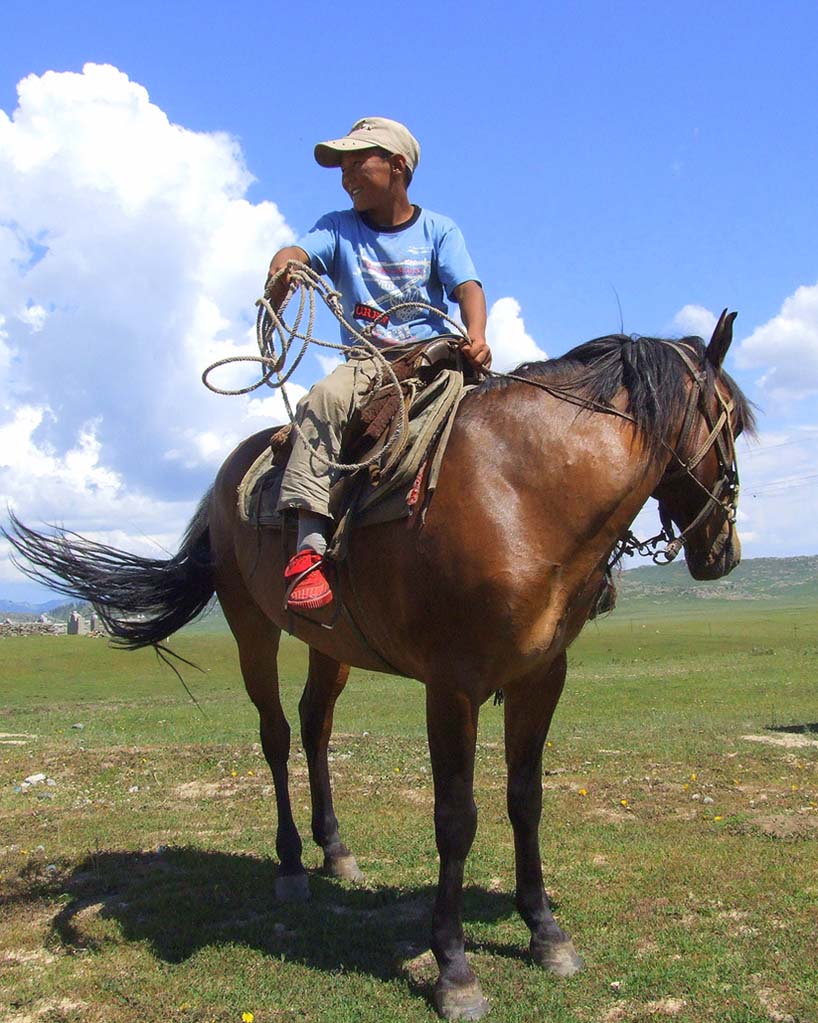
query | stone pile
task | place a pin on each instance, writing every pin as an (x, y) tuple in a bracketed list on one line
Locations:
[(9, 628)]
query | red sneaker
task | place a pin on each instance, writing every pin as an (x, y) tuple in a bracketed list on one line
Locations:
[(307, 585)]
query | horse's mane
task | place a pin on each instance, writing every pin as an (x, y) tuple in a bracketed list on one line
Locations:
[(649, 369)]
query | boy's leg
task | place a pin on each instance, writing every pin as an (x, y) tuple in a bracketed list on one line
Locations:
[(322, 414)]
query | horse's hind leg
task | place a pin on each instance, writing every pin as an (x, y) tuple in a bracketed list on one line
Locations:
[(451, 721), (529, 706), (325, 683), (257, 639)]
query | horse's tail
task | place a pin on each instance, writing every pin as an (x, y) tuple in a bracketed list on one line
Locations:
[(140, 600)]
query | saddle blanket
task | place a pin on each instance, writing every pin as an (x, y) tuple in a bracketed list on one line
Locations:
[(431, 416)]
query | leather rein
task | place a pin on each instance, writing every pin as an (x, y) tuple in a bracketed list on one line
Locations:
[(725, 491)]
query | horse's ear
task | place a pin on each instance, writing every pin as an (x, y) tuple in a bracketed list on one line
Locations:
[(720, 341)]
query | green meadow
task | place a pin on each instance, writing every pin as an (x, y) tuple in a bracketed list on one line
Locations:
[(679, 835)]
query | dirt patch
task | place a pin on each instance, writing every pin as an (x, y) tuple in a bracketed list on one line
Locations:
[(15, 738), (612, 816), (223, 789), (665, 1007), (788, 825), (420, 797), (27, 957), (771, 1003), (63, 1007), (634, 1010), (792, 741)]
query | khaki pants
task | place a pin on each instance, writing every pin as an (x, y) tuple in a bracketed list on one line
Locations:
[(323, 414)]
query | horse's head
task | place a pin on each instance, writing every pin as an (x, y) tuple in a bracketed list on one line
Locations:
[(699, 489)]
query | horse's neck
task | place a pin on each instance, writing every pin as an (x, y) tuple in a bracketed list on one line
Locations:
[(590, 465)]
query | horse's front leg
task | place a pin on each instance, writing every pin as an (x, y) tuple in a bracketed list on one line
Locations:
[(257, 639), (325, 682), (451, 721), (529, 706)]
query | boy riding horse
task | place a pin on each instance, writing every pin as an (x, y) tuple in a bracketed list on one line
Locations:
[(383, 252)]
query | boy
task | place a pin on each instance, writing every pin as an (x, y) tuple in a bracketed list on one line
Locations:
[(382, 252)]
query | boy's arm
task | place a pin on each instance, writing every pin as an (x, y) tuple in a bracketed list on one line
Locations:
[(280, 260), (472, 301)]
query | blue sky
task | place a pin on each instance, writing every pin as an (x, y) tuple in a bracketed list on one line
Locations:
[(658, 157)]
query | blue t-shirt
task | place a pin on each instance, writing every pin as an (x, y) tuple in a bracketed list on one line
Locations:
[(377, 268)]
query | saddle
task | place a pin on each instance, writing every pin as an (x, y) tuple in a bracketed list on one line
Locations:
[(433, 378)]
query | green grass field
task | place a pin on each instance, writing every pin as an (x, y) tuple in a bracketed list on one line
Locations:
[(680, 855)]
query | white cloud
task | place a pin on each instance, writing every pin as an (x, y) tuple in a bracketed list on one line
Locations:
[(34, 316), (779, 487), (505, 332), (786, 348), (328, 362), (129, 260), (30, 470), (696, 321)]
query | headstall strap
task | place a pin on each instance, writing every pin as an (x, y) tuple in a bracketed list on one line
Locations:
[(726, 489)]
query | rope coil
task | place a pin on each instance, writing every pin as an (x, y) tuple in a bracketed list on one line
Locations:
[(272, 327)]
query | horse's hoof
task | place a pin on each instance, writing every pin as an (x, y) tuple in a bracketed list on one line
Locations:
[(344, 867), (292, 888), (461, 1002), (559, 958)]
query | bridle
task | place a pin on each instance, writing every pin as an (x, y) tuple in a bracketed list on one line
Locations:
[(725, 491)]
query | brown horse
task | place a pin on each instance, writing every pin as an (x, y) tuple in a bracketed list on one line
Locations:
[(543, 476)]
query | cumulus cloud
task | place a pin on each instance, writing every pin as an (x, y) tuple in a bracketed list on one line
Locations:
[(779, 480), (129, 260), (506, 334), (786, 348), (695, 320)]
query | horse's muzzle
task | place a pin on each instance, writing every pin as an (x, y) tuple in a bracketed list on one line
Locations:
[(721, 558)]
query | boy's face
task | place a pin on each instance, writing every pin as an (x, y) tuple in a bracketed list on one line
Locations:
[(368, 178)]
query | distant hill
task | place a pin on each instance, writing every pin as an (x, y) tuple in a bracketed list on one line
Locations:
[(789, 580), (57, 610), (25, 608), (757, 579)]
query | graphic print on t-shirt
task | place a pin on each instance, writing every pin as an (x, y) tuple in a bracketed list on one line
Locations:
[(391, 284)]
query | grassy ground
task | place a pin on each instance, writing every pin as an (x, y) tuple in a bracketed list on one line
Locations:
[(680, 854)]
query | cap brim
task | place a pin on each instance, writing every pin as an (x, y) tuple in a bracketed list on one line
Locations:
[(328, 154)]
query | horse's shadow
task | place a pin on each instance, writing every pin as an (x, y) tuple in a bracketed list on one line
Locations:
[(797, 729), (182, 899)]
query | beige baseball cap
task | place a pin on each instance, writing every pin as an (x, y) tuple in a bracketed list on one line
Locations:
[(371, 133)]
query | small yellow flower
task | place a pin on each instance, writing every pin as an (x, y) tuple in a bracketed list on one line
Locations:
[(685, 786), (693, 776), (549, 744), (583, 792), (249, 774), (624, 802), (718, 818), (184, 1006), (234, 774), (247, 1017), (397, 770), (794, 788)]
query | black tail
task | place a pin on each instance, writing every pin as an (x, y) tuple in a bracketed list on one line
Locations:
[(165, 595)]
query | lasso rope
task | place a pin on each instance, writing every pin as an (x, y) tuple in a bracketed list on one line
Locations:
[(271, 325)]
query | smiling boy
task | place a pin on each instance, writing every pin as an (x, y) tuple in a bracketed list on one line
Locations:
[(383, 252)]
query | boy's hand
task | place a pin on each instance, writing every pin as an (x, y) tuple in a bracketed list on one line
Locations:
[(477, 352)]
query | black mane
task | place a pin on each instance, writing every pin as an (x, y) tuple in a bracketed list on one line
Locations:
[(649, 369)]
